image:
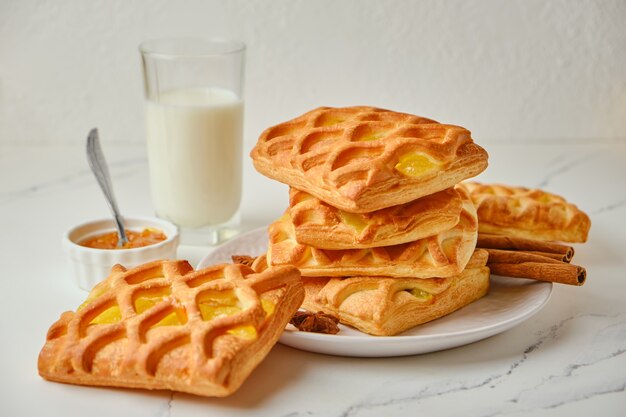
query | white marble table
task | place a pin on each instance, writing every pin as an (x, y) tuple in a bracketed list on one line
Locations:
[(569, 359)]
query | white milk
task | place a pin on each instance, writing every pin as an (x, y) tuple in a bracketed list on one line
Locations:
[(194, 151)]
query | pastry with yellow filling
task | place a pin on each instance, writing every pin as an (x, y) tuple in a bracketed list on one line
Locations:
[(527, 213), (362, 159), (384, 306), (163, 325), (319, 224), (442, 255)]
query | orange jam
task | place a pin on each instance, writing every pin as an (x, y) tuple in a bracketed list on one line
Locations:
[(146, 237)]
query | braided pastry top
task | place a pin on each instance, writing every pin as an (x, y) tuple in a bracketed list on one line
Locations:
[(361, 159), (528, 213), (321, 225), (441, 255), (387, 306), (162, 325)]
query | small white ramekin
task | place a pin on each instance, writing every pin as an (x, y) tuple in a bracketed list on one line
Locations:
[(89, 266)]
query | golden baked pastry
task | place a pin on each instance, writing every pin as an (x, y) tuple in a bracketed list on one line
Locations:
[(527, 213), (321, 225), (162, 325), (387, 306), (362, 159), (442, 255)]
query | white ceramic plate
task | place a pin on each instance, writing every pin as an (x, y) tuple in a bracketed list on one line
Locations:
[(509, 302)]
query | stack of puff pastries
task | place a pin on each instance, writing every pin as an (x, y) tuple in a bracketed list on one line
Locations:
[(382, 233)]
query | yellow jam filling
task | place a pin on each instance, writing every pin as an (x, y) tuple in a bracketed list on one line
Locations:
[(113, 314), (213, 304), (244, 332), (95, 292), (414, 165), (331, 121), (371, 136), (210, 312), (268, 306), (353, 220), (248, 331), (109, 316), (421, 294), (545, 199), (171, 319), (143, 303)]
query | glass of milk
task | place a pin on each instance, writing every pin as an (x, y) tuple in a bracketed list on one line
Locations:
[(194, 124)]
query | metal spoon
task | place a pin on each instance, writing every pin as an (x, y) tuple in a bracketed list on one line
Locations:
[(98, 166)]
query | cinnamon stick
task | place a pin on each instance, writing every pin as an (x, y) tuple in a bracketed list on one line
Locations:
[(516, 257), (521, 264), (556, 256), (489, 241), (563, 273)]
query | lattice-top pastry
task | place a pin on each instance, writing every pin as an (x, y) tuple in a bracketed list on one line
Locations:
[(442, 255), (323, 226), (528, 213), (361, 159), (162, 325), (387, 306)]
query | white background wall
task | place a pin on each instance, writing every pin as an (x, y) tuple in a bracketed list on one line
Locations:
[(506, 70)]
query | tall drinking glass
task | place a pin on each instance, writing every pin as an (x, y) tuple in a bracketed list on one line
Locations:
[(194, 122)]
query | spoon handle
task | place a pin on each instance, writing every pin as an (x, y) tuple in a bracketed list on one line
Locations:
[(101, 171)]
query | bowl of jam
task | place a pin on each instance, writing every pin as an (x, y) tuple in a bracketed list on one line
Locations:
[(92, 249)]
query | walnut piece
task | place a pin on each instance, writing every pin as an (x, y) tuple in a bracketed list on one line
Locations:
[(319, 322)]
